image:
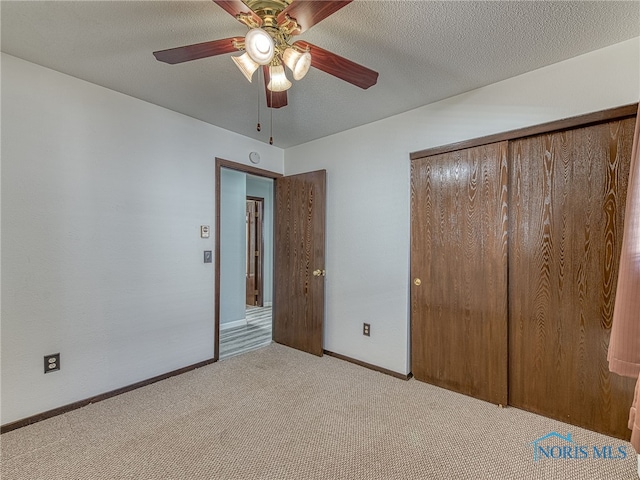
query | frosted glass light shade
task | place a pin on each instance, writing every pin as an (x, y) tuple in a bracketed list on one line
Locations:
[(278, 81), (298, 62), (259, 45), (246, 65)]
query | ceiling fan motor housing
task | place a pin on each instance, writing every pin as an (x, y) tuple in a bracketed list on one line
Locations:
[(268, 10)]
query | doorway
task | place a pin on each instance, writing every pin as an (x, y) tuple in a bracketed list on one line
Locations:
[(244, 258), (246, 261), (297, 245), (254, 227)]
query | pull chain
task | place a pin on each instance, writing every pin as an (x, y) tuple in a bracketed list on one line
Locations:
[(271, 122), (259, 90), (271, 126)]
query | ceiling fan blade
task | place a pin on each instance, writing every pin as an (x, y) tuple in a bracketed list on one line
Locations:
[(274, 99), (309, 12), (340, 67), (197, 50), (236, 7)]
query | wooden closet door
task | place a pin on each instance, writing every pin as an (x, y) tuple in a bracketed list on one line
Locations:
[(459, 255), (566, 209)]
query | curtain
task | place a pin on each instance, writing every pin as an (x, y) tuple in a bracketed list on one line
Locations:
[(624, 347)]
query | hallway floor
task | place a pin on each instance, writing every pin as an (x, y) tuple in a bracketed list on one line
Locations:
[(255, 334)]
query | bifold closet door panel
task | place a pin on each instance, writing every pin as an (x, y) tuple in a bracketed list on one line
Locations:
[(459, 271), (566, 212)]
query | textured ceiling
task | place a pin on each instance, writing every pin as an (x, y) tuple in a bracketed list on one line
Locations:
[(424, 51)]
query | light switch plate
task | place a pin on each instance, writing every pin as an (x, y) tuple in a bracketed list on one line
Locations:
[(204, 231), (207, 256)]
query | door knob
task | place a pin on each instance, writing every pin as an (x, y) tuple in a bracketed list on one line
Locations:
[(417, 282), (319, 273)]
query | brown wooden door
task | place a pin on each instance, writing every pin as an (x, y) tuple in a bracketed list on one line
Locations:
[(255, 251), (298, 308), (566, 216), (459, 255)]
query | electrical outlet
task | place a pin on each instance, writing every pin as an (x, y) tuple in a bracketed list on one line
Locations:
[(51, 363), (366, 329)]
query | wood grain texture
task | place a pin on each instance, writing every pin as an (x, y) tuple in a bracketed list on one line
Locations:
[(309, 12), (459, 251), (298, 309), (197, 51), (340, 67), (237, 7), (617, 113), (255, 252), (567, 198), (250, 275)]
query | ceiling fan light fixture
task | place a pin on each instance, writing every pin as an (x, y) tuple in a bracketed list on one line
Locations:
[(298, 62), (259, 45), (278, 81), (246, 65)]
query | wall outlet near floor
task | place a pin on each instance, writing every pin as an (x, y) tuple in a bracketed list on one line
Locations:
[(366, 329), (51, 363)]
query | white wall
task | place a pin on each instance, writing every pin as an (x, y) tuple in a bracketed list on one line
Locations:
[(368, 186), (102, 199), (233, 248)]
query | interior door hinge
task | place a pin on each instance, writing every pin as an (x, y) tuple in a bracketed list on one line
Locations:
[(257, 253)]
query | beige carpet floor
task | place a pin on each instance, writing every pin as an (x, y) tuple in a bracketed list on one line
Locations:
[(276, 413)]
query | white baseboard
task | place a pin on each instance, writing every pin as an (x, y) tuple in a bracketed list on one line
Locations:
[(235, 323), (267, 304)]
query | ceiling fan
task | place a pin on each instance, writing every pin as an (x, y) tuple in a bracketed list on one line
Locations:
[(272, 24)]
